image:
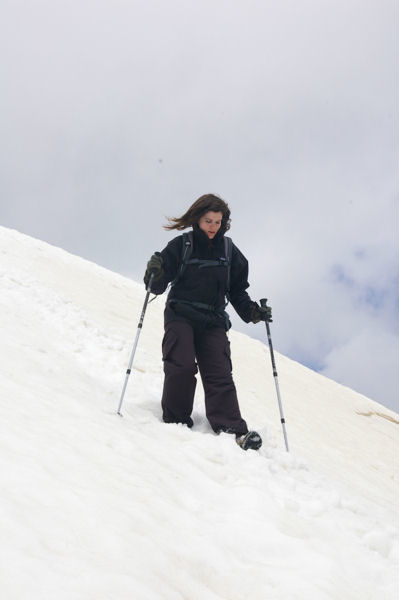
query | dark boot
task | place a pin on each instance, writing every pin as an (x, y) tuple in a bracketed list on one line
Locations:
[(249, 441)]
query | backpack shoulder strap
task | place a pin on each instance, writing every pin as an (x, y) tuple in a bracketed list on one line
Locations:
[(186, 252), (187, 247), (228, 252)]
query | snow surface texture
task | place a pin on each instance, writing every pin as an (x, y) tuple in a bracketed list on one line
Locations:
[(94, 506)]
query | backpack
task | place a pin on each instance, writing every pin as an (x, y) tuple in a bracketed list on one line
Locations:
[(187, 250)]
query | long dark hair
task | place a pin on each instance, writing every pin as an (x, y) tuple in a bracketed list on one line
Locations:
[(204, 204)]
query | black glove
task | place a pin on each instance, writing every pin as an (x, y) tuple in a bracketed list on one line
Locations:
[(261, 313), (154, 265)]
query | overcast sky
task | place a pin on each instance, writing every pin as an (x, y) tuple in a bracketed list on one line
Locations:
[(114, 114)]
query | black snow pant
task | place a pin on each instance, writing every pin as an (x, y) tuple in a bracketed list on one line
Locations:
[(184, 347)]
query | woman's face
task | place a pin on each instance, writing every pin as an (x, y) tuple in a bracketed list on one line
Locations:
[(210, 223)]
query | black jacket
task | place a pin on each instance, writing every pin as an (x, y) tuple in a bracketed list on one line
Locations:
[(205, 285)]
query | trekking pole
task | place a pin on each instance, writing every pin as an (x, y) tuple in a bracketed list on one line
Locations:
[(140, 325), (269, 337)]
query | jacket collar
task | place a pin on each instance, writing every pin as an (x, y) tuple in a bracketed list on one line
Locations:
[(203, 243)]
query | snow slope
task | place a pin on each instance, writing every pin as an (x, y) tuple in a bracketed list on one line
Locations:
[(95, 506)]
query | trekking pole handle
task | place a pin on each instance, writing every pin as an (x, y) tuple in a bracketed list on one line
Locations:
[(152, 272), (263, 302), (148, 288)]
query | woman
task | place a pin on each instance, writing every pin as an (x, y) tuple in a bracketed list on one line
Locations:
[(195, 320)]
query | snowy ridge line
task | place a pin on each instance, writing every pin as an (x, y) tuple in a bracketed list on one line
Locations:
[(27, 244), (94, 506)]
